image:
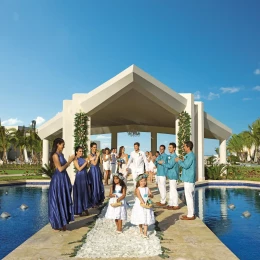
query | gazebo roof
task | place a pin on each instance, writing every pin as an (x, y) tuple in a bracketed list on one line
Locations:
[(131, 100)]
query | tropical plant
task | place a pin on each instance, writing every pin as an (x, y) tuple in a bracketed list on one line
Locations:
[(215, 172), (81, 132), (248, 142), (211, 160), (7, 136), (184, 131), (46, 169), (235, 144), (254, 133)]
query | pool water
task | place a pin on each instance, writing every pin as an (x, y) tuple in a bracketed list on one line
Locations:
[(23, 223), (241, 235)]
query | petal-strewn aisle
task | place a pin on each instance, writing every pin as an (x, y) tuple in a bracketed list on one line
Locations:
[(103, 241)]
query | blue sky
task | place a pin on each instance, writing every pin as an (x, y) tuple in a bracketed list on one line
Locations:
[(52, 49)]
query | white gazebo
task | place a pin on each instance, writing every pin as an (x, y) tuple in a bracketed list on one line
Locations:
[(134, 100)]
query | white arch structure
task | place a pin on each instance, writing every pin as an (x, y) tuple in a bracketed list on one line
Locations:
[(123, 103)]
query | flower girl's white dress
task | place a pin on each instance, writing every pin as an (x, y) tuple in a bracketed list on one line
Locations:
[(116, 212), (142, 215)]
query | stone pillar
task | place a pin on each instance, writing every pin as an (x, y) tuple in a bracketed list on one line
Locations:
[(45, 152), (68, 135), (114, 139), (222, 151), (153, 142), (199, 139), (89, 133), (176, 134)]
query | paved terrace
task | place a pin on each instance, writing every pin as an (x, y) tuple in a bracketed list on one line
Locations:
[(185, 240)]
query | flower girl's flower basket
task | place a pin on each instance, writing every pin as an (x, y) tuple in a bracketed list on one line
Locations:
[(147, 205), (115, 204)]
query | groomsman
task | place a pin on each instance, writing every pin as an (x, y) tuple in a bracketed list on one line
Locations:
[(172, 169), (188, 177), (161, 175)]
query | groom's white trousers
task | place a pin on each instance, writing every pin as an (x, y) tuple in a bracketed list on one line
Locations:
[(189, 190), (162, 188)]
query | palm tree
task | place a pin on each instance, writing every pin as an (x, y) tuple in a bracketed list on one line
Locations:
[(7, 137), (248, 143), (236, 144), (254, 132)]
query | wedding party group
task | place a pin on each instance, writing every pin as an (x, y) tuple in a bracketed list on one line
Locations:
[(65, 201)]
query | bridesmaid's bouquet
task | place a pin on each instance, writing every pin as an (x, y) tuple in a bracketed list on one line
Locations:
[(120, 161)]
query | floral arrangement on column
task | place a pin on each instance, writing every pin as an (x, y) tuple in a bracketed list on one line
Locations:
[(184, 131), (81, 132)]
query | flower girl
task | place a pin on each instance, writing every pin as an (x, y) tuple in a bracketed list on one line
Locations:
[(117, 206), (142, 213)]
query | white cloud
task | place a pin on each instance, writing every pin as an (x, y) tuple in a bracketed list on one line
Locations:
[(257, 88), (98, 137), (230, 90), (12, 122), (197, 95), (212, 96), (246, 99), (39, 120), (257, 71)]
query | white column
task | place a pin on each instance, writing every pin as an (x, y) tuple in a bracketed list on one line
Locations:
[(45, 152), (153, 142), (68, 134), (176, 133), (89, 133), (199, 139), (114, 139), (223, 151)]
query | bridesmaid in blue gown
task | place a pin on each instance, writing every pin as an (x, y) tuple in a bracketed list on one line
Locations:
[(81, 190), (59, 198), (95, 177)]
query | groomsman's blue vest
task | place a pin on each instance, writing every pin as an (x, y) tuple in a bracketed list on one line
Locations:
[(172, 167), (161, 170), (188, 168)]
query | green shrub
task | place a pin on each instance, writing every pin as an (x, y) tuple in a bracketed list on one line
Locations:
[(46, 169), (215, 172)]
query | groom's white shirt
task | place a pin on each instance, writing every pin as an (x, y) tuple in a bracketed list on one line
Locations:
[(138, 161)]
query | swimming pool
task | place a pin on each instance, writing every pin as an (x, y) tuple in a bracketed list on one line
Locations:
[(241, 235), (23, 223)]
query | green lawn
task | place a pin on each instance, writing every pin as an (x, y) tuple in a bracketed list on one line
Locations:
[(18, 178), (16, 171)]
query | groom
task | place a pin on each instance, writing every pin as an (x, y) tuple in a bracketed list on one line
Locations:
[(138, 160)]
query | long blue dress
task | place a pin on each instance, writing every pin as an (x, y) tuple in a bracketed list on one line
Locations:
[(96, 185), (60, 202), (81, 190)]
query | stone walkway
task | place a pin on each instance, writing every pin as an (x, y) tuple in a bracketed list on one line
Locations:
[(184, 240)]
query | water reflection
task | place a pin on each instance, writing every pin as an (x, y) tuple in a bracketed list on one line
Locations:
[(240, 234), (24, 222)]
